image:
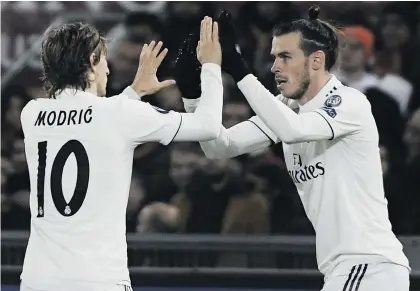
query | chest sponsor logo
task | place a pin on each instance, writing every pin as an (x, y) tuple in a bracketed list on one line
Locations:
[(302, 173)]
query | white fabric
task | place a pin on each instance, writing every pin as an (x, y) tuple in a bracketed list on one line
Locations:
[(369, 277), (251, 136), (246, 137), (205, 121), (333, 158), (88, 244)]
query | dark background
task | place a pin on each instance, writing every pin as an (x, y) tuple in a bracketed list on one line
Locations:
[(176, 189)]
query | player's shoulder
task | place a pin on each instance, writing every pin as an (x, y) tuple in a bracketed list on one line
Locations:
[(139, 111), (137, 105), (348, 99), (31, 107), (351, 95)]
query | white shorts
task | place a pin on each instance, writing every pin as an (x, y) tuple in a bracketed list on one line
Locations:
[(370, 277), (81, 287)]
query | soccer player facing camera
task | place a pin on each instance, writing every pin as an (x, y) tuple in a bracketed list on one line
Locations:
[(330, 142)]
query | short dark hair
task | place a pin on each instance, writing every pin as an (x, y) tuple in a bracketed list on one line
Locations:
[(65, 55), (315, 35)]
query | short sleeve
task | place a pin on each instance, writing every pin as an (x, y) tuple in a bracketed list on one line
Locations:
[(344, 112), (143, 122)]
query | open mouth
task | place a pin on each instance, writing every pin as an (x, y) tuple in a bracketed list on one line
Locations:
[(281, 83)]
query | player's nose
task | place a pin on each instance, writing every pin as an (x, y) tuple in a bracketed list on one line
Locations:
[(275, 67)]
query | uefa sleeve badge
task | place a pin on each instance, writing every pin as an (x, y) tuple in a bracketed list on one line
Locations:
[(333, 101), (330, 111)]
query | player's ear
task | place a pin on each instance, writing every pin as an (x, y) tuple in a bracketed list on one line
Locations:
[(92, 61), (317, 60)]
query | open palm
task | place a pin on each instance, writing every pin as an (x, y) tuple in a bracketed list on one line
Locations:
[(146, 81)]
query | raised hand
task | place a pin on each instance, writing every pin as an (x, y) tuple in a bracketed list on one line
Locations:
[(187, 68), (208, 48), (233, 63), (146, 81)]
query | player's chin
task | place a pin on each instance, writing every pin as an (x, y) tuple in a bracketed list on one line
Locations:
[(283, 91), (289, 94)]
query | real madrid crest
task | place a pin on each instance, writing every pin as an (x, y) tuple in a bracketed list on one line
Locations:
[(333, 101), (67, 210)]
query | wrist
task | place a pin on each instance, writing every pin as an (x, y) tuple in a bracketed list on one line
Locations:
[(211, 64), (240, 71), (140, 92)]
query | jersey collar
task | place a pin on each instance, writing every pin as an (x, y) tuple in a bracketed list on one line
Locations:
[(328, 90), (73, 93)]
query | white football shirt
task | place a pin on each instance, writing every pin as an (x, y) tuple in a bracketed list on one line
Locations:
[(332, 155), (79, 150)]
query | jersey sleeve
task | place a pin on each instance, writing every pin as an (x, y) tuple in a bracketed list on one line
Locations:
[(282, 120), (291, 128), (344, 112), (242, 138), (264, 129), (143, 122), (128, 93), (245, 137)]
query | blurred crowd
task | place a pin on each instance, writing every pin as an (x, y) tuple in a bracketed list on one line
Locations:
[(176, 189)]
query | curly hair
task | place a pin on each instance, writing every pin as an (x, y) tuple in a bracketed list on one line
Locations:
[(65, 56)]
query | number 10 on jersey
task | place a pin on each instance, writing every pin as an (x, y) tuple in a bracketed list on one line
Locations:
[(82, 182)]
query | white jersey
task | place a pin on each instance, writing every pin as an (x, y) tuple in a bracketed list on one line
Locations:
[(79, 150), (332, 155), (339, 179)]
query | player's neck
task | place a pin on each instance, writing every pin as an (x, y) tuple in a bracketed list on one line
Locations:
[(92, 89), (315, 87)]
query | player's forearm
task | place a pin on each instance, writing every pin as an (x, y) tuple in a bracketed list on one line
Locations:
[(242, 138), (219, 148), (284, 122), (209, 110), (204, 123), (214, 149)]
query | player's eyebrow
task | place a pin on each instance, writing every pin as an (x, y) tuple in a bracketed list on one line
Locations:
[(281, 54)]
